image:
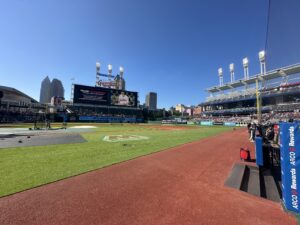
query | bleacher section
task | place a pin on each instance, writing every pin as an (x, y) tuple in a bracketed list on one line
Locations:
[(283, 98)]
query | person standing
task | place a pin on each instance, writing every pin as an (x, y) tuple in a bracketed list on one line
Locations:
[(252, 132), (123, 99), (248, 127)]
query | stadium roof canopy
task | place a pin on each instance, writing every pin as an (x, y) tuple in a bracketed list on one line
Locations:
[(12, 94), (270, 75)]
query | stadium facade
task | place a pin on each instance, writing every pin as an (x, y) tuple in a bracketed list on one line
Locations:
[(107, 101), (16, 106), (10, 95), (278, 91), (100, 104)]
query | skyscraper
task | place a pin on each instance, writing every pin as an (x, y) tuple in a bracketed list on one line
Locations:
[(120, 82), (151, 101), (50, 89), (57, 89), (45, 90)]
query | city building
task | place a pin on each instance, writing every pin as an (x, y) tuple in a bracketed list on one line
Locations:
[(45, 90), (189, 111), (180, 108), (120, 82), (50, 89), (57, 89), (151, 101)]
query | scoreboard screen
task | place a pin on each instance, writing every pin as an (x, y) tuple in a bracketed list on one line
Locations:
[(104, 96)]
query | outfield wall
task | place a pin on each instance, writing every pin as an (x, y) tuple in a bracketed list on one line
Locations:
[(221, 123), (109, 119)]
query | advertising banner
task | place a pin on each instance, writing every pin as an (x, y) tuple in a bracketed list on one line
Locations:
[(259, 151), (93, 118), (206, 123), (290, 164), (109, 119), (90, 95), (230, 124), (218, 123), (104, 96)]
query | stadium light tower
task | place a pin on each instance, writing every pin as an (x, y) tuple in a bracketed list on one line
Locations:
[(284, 76), (231, 69), (109, 70), (97, 73), (121, 71), (246, 68), (220, 72), (262, 59)]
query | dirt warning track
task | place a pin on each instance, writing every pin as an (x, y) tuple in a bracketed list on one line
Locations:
[(182, 185)]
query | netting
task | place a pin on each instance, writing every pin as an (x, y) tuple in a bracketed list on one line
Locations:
[(41, 122)]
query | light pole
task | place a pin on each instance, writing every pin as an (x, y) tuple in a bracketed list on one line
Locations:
[(262, 59), (231, 69), (108, 82), (246, 68), (72, 89), (258, 102), (284, 77), (121, 71), (220, 73), (97, 73), (120, 82), (109, 71)]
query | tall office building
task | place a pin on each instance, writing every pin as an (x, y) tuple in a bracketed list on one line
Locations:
[(57, 89), (120, 82), (151, 101), (50, 89), (45, 90), (180, 108)]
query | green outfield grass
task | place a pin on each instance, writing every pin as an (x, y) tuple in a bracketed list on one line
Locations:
[(26, 167)]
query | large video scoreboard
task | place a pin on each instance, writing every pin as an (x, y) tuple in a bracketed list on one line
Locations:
[(104, 96)]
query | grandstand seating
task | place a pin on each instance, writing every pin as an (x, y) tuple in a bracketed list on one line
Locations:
[(279, 103), (84, 110)]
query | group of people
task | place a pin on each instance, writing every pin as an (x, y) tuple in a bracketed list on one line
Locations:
[(7, 116), (267, 131)]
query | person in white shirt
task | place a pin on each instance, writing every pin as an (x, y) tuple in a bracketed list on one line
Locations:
[(123, 99)]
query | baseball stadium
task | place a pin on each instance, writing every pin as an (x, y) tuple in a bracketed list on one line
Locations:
[(101, 159)]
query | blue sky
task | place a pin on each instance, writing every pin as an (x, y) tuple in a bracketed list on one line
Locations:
[(172, 47)]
